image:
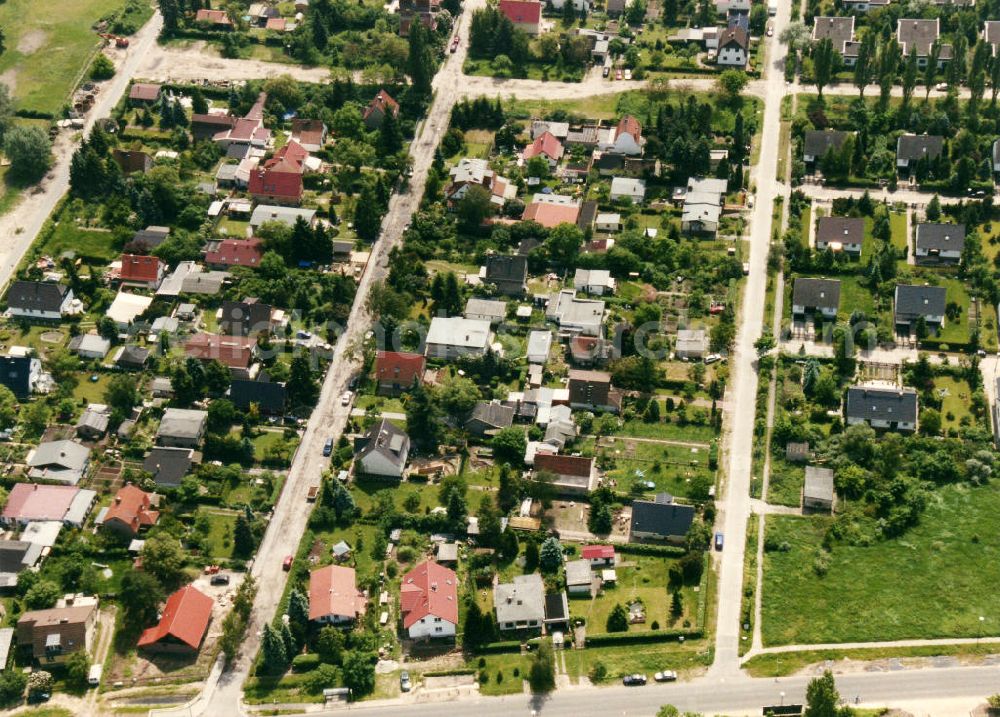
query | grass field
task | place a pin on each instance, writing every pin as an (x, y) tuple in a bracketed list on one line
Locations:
[(93, 244), (48, 44), (926, 584), (955, 396), (785, 484)]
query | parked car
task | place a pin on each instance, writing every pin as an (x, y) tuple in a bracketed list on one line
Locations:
[(311, 495), (634, 680), (628, 74), (712, 358), (220, 579), (718, 541), (665, 676), (328, 447), (618, 74), (606, 71), (404, 681), (286, 565), (345, 398)]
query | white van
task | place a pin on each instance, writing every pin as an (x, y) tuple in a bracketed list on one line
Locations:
[(94, 678)]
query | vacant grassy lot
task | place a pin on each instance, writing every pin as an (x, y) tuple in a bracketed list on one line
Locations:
[(97, 245), (927, 584), (48, 45), (785, 484), (955, 396)]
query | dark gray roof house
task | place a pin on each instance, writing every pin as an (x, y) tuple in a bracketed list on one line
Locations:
[(16, 556), (16, 374), (821, 295), (939, 242), (489, 417), (818, 493), (245, 318), (913, 302), (268, 395), (921, 35), (816, 143), (882, 407), (37, 297), (509, 273), (661, 519), (914, 147), (840, 234), (588, 214), (132, 358), (839, 30), (382, 451), (168, 466), (151, 237)]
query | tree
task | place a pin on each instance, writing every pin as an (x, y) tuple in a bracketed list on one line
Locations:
[(864, 66), (199, 105), (563, 244), (29, 151), (551, 555), (77, 667), (171, 12), (765, 344), (509, 489), (6, 110), (422, 417), (824, 63), (330, 645), (731, 84), (930, 422), (542, 671), (458, 396), (243, 538), (139, 596), (12, 685), (102, 68), (419, 65), (390, 136), (930, 69), (676, 605), (36, 417), (122, 394), (302, 387), (822, 697), (42, 595), (474, 207), (368, 215), (8, 408), (163, 558), (359, 673), (618, 619), (39, 682), (509, 445), (933, 211), (273, 655)]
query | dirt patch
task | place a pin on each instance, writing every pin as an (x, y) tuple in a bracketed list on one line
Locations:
[(9, 78), (31, 42)]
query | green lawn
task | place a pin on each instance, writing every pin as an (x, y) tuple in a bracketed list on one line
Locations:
[(957, 330), (48, 45), (671, 468), (499, 670), (930, 583), (897, 225), (622, 660), (668, 431), (854, 295), (91, 391), (95, 245), (955, 396), (785, 484), (220, 536)]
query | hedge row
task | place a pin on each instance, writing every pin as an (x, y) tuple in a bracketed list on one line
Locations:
[(667, 551), (495, 648), (449, 673), (640, 638)]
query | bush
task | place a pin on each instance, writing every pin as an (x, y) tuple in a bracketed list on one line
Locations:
[(102, 68), (598, 672), (305, 663)]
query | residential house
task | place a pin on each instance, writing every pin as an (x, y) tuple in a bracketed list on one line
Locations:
[(547, 146), (126, 308), (559, 130), (93, 423), (628, 188), (279, 180), (594, 281), (268, 396), (508, 273), (797, 451), (608, 222), (248, 317), (816, 296), (334, 598), (263, 213), (913, 148), (863, 6), (234, 252), (580, 578), (600, 556), (914, 303), (141, 271), (168, 466), (207, 126), (939, 243), (576, 316), (131, 511), (377, 109), (891, 408), (839, 234), (247, 132), (59, 461), (816, 143), (996, 156), (489, 418), (397, 372), (149, 238), (237, 353), (423, 10), (592, 391), (614, 8), (16, 556), (39, 300), (551, 215), (183, 623), (660, 519), (476, 172), (131, 358), (840, 32), (991, 34), (217, 19), (520, 604), (309, 133), (691, 344), (734, 47), (485, 310), (451, 337), (20, 374), (182, 428), (539, 347), (818, 493), (89, 346), (625, 139), (132, 161), (50, 636), (33, 502), (143, 94), (382, 451), (571, 475), (921, 35), (428, 601), (526, 15), (701, 214)]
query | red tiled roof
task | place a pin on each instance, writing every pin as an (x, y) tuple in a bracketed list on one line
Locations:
[(185, 617), (523, 12), (275, 23), (429, 589), (276, 183), (131, 507), (333, 590), (382, 101), (218, 17), (401, 368), (308, 131), (30, 501), (144, 92), (136, 267), (231, 351), (551, 215), (237, 252), (564, 465), (546, 144), (592, 552), (213, 119), (629, 125)]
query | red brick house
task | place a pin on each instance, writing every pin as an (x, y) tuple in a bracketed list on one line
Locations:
[(235, 252), (130, 512), (396, 372), (144, 271), (279, 181), (525, 14)]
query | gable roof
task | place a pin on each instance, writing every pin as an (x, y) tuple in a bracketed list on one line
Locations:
[(545, 144), (521, 12), (914, 301), (663, 518), (131, 506), (182, 423), (941, 237), (217, 17), (15, 374), (132, 356), (594, 552), (387, 439), (333, 590), (578, 466), (399, 367), (381, 102), (817, 293), (67, 624), (185, 618), (839, 30), (144, 92), (842, 230), (428, 589), (882, 404), (168, 465), (506, 267), (31, 501), (36, 295), (920, 34), (231, 351), (236, 252), (913, 147), (136, 267), (492, 413), (268, 395), (816, 143), (734, 35), (629, 125), (551, 215), (818, 483)]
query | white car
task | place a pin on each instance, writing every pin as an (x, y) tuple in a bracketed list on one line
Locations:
[(628, 74), (665, 676), (345, 399)]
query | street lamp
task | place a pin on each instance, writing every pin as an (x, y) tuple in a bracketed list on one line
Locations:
[(980, 633), (782, 694)]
